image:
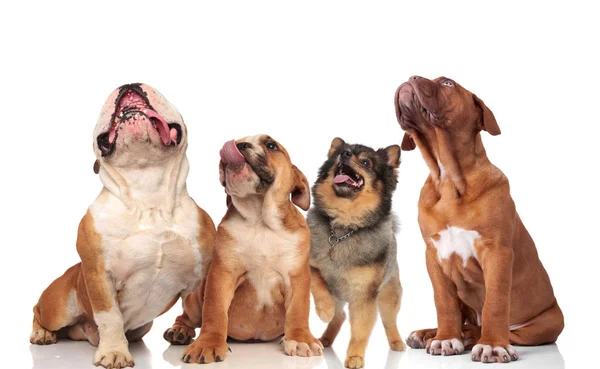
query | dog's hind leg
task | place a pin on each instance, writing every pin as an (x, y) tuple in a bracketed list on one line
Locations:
[(84, 331), (58, 307), (334, 326), (388, 301), (183, 330), (540, 330)]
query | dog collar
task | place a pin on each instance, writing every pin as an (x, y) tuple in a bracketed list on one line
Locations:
[(334, 240)]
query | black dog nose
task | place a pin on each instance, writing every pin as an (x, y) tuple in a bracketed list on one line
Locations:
[(346, 154), (243, 145), (414, 78)]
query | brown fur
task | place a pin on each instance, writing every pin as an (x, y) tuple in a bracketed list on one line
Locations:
[(226, 305), (473, 195)]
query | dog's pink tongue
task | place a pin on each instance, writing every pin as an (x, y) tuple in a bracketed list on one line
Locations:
[(231, 155), (342, 178), (161, 126)]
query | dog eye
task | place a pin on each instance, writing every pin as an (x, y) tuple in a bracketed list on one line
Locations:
[(366, 163), (347, 154), (448, 83), (271, 145)]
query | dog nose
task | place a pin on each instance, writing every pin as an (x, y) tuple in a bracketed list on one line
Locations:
[(414, 78), (346, 154), (243, 145)]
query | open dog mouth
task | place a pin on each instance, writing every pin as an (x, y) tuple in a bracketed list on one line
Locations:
[(132, 106), (234, 160), (346, 176)]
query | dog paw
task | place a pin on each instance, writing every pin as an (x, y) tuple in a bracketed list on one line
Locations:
[(452, 346), (206, 350), (305, 345), (494, 354), (325, 307), (397, 345), (354, 362), (179, 335), (113, 359), (42, 337), (418, 339)]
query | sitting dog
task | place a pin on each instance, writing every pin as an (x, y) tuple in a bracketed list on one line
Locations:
[(143, 242), (258, 285), (490, 287), (353, 246)]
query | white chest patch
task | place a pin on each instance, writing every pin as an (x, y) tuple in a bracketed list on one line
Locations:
[(458, 241), (150, 259), (268, 256)]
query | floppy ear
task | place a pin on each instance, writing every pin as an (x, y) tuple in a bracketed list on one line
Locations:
[(301, 191), (337, 142), (408, 143), (393, 156), (488, 120), (97, 167)]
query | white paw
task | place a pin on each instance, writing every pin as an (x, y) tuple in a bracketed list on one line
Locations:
[(295, 348), (497, 354), (113, 359), (453, 346)]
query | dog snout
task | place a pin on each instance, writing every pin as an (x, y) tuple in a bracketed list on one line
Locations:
[(244, 145)]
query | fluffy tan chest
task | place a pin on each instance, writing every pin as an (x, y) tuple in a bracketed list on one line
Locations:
[(268, 257)]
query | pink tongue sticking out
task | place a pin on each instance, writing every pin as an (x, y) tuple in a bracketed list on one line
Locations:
[(231, 155), (161, 126), (341, 178)]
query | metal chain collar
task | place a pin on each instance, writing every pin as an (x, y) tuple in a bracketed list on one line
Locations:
[(334, 240)]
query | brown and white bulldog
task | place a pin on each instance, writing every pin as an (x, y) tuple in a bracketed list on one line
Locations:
[(143, 242), (258, 286), (490, 288)]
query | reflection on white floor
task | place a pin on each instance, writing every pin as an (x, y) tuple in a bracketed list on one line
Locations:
[(155, 353)]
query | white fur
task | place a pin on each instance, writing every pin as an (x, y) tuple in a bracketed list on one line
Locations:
[(151, 255), (442, 169), (112, 337), (455, 240), (268, 255)]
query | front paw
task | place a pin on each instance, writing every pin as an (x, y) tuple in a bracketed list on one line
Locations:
[(418, 339), (179, 334), (490, 353), (206, 349), (354, 362), (302, 345), (113, 358), (325, 306), (446, 347)]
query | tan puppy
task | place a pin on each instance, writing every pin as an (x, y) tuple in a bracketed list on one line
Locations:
[(489, 285), (143, 242), (259, 281)]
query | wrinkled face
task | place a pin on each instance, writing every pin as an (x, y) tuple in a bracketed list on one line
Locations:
[(137, 127), (251, 165), (421, 103)]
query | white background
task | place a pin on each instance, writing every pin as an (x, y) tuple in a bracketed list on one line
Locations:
[(303, 72)]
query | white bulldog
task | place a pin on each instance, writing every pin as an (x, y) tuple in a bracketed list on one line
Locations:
[(143, 242)]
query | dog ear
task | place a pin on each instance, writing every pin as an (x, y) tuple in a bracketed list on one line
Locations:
[(301, 191), (488, 120), (393, 156), (228, 200), (97, 167), (408, 143), (335, 144)]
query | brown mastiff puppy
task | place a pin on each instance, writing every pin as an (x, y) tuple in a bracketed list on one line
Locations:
[(490, 287)]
